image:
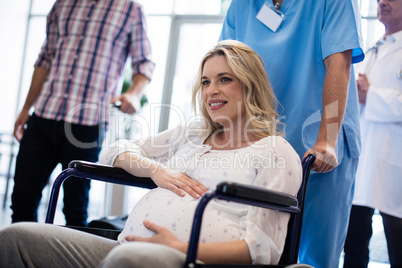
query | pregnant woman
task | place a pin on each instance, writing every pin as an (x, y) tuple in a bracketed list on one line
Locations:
[(236, 139)]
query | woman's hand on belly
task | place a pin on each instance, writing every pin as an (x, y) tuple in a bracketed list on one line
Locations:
[(177, 182), (162, 236), (227, 252)]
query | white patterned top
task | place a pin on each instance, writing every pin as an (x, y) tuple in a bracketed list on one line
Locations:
[(269, 163)]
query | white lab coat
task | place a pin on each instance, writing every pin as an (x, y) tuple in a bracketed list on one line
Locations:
[(379, 174)]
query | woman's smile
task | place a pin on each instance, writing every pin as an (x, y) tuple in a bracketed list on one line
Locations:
[(216, 104)]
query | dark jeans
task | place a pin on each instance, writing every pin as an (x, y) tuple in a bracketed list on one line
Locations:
[(359, 234), (45, 144)]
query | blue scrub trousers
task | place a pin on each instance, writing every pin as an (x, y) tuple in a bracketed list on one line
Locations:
[(326, 214), (43, 146)]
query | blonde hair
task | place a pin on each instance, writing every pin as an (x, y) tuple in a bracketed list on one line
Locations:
[(259, 99)]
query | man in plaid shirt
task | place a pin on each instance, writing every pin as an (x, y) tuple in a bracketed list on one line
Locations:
[(76, 78)]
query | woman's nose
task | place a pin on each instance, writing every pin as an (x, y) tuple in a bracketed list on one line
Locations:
[(213, 89)]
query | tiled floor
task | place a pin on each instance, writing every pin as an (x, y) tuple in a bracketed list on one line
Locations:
[(378, 250)]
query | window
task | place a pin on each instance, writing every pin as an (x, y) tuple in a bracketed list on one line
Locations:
[(372, 29)]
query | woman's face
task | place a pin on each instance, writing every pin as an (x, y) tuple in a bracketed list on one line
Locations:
[(222, 93)]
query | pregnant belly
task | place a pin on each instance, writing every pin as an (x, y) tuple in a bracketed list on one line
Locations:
[(160, 206)]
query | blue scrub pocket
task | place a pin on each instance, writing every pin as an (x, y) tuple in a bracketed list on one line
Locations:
[(310, 128)]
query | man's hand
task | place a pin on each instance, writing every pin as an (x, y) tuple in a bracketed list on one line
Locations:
[(128, 103), (19, 126), (38, 79), (162, 236), (325, 157), (362, 87)]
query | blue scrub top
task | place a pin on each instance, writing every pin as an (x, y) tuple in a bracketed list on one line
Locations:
[(293, 57)]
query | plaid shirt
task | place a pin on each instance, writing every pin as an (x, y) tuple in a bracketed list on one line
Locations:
[(87, 45)]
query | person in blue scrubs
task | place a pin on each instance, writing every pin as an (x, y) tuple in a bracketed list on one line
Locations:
[(308, 60)]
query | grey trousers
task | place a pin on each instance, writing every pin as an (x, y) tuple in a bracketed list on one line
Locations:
[(45, 245)]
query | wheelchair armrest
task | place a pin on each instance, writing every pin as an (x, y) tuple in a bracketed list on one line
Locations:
[(105, 173), (113, 172), (240, 193), (257, 194), (261, 197)]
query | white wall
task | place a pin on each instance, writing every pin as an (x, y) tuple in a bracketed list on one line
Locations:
[(13, 21)]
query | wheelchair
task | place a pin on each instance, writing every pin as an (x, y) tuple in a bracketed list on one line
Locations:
[(228, 191)]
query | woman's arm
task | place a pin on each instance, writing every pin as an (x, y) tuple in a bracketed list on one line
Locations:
[(265, 230), (159, 147), (227, 252), (145, 158), (170, 179)]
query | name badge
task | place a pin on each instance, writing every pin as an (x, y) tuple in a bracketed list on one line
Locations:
[(272, 18)]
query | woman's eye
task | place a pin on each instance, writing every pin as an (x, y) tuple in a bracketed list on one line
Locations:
[(225, 79), (205, 82)]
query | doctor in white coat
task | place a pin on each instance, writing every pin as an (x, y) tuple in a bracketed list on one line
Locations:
[(379, 174)]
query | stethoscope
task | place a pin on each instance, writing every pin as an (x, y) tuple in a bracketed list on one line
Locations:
[(375, 50)]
